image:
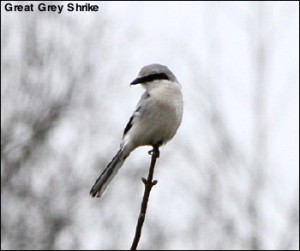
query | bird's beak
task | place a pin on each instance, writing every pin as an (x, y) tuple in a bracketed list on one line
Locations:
[(136, 81)]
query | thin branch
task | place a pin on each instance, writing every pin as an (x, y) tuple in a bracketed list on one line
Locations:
[(149, 183)]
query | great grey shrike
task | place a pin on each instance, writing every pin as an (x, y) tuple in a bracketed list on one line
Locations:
[(154, 122)]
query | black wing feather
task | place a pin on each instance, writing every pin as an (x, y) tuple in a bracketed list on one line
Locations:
[(128, 126)]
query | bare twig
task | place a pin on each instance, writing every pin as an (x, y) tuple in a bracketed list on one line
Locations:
[(149, 183)]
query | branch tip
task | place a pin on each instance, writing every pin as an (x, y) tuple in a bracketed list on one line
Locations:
[(144, 180), (149, 183)]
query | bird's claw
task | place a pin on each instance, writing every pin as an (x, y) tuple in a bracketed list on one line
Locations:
[(154, 152)]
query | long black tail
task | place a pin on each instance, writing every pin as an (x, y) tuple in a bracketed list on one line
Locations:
[(109, 172)]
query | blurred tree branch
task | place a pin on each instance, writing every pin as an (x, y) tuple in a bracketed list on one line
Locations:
[(42, 78)]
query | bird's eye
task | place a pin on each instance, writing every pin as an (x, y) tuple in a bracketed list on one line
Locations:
[(153, 77)]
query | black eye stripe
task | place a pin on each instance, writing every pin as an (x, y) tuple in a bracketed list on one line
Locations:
[(153, 77)]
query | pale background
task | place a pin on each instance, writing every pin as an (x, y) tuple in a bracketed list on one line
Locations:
[(230, 177)]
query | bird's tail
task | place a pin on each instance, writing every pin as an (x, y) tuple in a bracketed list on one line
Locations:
[(109, 172)]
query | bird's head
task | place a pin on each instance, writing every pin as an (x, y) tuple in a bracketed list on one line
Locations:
[(154, 72)]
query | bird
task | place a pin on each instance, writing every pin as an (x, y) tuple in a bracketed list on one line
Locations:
[(154, 122)]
